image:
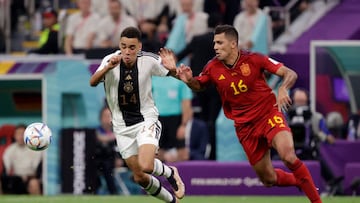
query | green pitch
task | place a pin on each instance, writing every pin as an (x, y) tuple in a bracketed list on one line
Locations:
[(149, 199)]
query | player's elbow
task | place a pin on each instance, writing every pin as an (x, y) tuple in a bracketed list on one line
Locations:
[(93, 83), (295, 75)]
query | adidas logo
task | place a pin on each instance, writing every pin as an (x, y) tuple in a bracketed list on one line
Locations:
[(222, 77)]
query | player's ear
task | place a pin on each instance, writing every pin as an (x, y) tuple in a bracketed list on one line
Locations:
[(140, 46), (234, 44)]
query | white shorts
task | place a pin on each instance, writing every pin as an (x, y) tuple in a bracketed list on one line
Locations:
[(129, 139)]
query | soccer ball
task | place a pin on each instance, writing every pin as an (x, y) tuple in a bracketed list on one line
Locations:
[(37, 136)]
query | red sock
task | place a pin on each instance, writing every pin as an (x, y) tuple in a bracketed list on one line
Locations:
[(284, 178), (305, 181)]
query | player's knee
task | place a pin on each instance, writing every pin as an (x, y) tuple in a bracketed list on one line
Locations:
[(287, 153), (34, 186), (288, 158), (147, 167)]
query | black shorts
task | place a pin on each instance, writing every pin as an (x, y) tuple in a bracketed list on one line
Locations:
[(168, 139), (13, 185)]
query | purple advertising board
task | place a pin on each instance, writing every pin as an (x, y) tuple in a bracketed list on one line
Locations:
[(234, 178)]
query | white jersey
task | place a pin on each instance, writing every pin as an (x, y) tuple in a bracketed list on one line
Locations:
[(129, 90)]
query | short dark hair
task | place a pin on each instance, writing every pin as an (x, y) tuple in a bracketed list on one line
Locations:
[(20, 125), (230, 31), (131, 32)]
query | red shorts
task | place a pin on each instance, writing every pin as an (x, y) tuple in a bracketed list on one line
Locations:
[(256, 137)]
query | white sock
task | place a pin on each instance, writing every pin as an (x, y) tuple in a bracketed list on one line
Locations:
[(155, 189), (160, 169)]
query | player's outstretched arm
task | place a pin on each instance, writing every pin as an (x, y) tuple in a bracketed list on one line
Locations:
[(183, 73)]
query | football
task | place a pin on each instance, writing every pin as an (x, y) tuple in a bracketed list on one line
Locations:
[(37, 136)]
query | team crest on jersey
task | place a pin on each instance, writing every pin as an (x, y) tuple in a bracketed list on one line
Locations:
[(128, 77), (245, 69), (222, 77), (128, 87)]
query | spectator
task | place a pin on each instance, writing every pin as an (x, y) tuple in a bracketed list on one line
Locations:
[(186, 26), (111, 26), (100, 7), (151, 41), (197, 139), (48, 41), (106, 155), (143, 10), (174, 104), (254, 28), (22, 167), (315, 132), (226, 8), (176, 9), (81, 28), (353, 128), (209, 109), (318, 122), (335, 123)]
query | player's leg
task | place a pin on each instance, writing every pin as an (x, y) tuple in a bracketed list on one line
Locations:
[(270, 176), (34, 186), (265, 170), (148, 182), (147, 150), (283, 143), (257, 150), (129, 150)]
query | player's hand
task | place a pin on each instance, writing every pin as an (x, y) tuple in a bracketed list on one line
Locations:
[(185, 73), (114, 61), (283, 100), (330, 139), (168, 59), (180, 133)]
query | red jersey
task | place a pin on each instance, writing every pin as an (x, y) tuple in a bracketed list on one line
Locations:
[(245, 95)]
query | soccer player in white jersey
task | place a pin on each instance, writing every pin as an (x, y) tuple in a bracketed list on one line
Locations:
[(127, 79)]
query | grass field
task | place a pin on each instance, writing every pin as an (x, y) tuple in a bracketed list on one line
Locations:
[(188, 199)]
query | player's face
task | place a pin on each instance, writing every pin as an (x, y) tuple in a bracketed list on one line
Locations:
[(223, 46), (300, 98), (19, 136), (114, 8), (129, 48)]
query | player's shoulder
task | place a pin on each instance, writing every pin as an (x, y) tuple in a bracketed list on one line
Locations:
[(249, 55), (213, 62), (148, 55), (245, 52)]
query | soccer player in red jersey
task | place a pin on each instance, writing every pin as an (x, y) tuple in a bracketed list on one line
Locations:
[(257, 113)]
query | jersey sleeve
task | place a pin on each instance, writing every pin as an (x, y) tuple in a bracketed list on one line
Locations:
[(204, 77), (70, 28), (270, 64)]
